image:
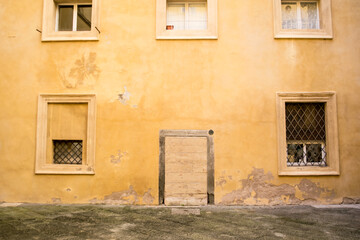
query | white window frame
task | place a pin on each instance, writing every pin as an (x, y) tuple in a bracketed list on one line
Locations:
[(325, 22), (298, 12), (186, 20), (74, 24), (161, 21)]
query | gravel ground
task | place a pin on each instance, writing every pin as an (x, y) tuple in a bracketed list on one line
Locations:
[(211, 222)]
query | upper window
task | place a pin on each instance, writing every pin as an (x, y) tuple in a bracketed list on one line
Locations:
[(70, 20), (307, 134), (302, 19), (73, 17), (189, 19)]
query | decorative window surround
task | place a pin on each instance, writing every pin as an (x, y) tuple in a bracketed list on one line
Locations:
[(47, 166), (322, 31), (332, 147), (161, 22), (50, 20)]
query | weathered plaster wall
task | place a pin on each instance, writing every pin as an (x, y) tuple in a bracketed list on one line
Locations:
[(144, 85)]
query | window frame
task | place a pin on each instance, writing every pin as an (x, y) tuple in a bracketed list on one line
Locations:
[(332, 148), (161, 21), (325, 21), (88, 165), (50, 22), (74, 24)]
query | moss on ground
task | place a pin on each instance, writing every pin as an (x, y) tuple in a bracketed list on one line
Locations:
[(114, 222)]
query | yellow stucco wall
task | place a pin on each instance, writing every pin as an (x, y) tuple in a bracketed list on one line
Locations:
[(227, 85)]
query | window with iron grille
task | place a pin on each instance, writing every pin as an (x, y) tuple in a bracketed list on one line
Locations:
[(305, 134), (67, 151)]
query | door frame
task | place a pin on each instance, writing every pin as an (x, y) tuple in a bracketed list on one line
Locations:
[(210, 159)]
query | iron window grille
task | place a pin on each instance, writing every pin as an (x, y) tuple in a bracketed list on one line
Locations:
[(67, 151), (305, 134)]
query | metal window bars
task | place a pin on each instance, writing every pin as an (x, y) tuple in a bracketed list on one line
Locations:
[(67, 151), (305, 134)]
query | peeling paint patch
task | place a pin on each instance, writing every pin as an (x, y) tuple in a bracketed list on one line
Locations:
[(147, 197), (349, 200), (124, 97), (124, 197), (117, 158), (56, 200), (257, 190)]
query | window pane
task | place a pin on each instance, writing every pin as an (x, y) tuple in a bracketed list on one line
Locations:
[(295, 153), (65, 18), (84, 18), (314, 152), (176, 16), (289, 15), (309, 15), (197, 16)]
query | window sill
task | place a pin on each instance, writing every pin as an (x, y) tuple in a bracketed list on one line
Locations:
[(65, 169), (308, 171), (71, 36), (316, 34)]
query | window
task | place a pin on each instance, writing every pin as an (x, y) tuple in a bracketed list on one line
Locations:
[(74, 17), (66, 134), (191, 19), (302, 19), (307, 132), (70, 20)]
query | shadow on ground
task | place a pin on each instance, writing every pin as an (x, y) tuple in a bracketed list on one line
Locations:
[(114, 222)]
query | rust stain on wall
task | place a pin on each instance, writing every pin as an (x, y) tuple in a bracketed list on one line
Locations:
[(258, 190)]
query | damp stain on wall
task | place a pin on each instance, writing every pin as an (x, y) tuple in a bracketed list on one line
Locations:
[(258, 190)]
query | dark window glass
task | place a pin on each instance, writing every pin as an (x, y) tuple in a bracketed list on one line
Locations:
[(84, 18), (65, 18)]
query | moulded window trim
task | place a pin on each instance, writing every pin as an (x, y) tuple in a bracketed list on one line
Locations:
[(50, 21), (41, 166), (324, 18), (332, 148), (161, 20)]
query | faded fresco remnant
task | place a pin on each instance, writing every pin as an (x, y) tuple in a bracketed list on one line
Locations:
[(83, 72), (257, 190)]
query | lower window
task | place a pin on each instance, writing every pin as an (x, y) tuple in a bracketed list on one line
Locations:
[(307, 131), (66, 134)]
